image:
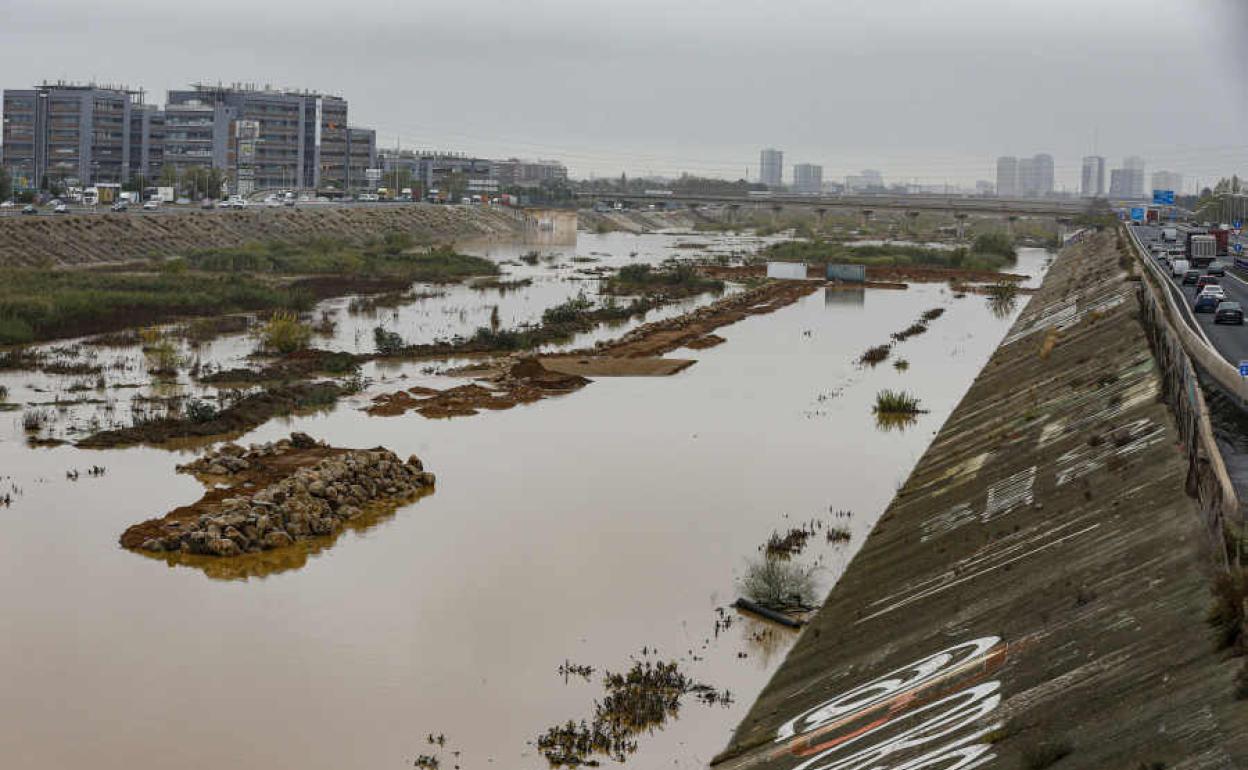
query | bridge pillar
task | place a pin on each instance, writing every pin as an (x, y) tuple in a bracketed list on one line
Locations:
[(961, 220), (821, 213), (776, 208), (912, 217), (1009, 223), (866, 217), (733, 208)]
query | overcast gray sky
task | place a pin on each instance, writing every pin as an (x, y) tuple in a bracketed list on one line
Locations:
[(928, 91)]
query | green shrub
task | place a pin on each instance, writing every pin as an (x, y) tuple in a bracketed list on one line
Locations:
[(388, 343), (200, 411), (285, 333), (996, 242), (896, 402)]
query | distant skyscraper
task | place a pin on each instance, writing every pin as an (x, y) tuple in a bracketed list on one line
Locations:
[(1007, 176), (771, 167), (1122, 183), (1168, 180), (1092, 184), (1026, 177), (807, 178), (869, 180), (1042, 165), (1135, 165)]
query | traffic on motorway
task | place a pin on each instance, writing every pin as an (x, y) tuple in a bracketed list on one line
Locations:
[(1204, 278)]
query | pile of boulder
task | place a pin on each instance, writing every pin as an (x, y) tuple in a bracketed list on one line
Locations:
[(314, 500), (231, 458)]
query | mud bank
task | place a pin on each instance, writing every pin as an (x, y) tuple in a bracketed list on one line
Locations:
[(1039, 586), (84, 239), (896, 275), (512, 381), (271, 496)]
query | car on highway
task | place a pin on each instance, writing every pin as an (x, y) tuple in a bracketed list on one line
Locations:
[(29, 209), (7, 205), (1229, 313), (151, 205), (1190, 277), (1206, 280), (60, 208), (1216, 268), (1206, 303), (120, 206)]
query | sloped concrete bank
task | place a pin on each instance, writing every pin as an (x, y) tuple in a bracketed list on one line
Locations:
[(1036, 594), (85, 239)]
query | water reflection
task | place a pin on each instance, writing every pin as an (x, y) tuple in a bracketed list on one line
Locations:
[(293, 557), (844, 295)]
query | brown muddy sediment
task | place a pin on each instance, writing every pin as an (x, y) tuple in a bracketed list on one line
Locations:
[(638, 353), (248, 412)]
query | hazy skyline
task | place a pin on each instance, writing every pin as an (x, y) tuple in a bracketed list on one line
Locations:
[(921, 91)]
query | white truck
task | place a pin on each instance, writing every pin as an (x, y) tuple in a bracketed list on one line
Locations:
[(1170, 234), (1178, 267), (1204, 249)]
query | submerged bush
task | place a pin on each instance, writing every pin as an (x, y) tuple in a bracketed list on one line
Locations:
[(200, 411), (285, 333), (388, 343), (896, 402), (779, 584), (996, 242)]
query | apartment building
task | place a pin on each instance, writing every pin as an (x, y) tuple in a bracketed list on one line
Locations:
[(74, 134)]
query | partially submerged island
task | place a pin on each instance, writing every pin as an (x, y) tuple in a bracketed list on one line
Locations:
[(273, 495)]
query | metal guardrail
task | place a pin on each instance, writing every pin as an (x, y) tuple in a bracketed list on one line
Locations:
[(1202, 352), (1175, 347)]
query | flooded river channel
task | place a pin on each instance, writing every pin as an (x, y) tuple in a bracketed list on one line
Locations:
[(580, 529)]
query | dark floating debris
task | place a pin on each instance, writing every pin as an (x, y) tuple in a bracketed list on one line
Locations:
[(568, 669), (745, 605), (638, 701)]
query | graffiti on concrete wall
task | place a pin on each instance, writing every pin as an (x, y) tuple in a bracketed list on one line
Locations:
[(932, 713)]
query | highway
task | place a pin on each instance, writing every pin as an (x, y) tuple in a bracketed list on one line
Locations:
[(1231, 341)]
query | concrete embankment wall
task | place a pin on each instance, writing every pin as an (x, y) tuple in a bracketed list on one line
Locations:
[(85, 239), (1037, 591)]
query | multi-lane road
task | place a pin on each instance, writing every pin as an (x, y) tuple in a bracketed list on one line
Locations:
[(1231, 341)]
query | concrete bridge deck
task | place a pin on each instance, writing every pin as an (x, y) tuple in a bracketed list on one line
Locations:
[(944, 203), (1036, 594)]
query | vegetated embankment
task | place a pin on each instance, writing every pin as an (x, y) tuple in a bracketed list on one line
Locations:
[(85, 239), (1039, 590)]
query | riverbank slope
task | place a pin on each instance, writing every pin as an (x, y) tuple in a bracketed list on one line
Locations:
[(94, 238), (1037, 591)]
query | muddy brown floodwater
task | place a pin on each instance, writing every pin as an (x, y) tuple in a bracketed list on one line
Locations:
[(582, 528)]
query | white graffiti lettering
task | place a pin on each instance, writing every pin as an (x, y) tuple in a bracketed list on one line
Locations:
[(907, 678)]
